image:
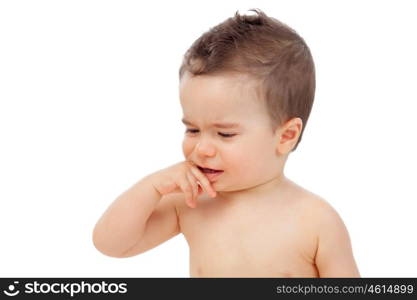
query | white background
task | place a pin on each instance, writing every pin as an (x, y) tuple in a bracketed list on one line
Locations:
[(89, 105)]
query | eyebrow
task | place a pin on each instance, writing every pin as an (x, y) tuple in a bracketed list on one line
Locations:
[(218, 125)]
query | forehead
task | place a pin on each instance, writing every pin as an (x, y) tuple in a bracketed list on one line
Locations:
[(219, 97), (217, 85)]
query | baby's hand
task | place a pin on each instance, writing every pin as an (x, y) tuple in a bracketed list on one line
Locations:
[(183, 177)]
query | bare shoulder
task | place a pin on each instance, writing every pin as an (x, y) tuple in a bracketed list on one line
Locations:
[(334, 256), (308, 202), (314, 210), (322, 213), (320, 209)]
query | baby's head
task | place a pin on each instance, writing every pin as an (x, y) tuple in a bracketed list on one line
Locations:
[(257, 73)]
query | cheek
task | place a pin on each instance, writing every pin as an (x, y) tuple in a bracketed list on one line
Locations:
[(187, 147), (249, 164), (254, 160), (236, 160)]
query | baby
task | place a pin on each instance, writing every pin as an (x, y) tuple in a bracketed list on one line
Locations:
[(246, 90)]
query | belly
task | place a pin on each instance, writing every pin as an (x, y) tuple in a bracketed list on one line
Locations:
[(255, 253), (237, 242), (234, 264)]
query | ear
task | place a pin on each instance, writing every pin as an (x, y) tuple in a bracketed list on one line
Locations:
[(288, 135)]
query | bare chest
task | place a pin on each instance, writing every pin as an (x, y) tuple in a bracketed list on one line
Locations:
[(258, 241)]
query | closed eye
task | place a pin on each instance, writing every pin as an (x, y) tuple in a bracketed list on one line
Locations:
[(191, 130), (225, 135)]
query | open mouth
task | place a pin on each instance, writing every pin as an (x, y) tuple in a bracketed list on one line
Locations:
[(210, 171)]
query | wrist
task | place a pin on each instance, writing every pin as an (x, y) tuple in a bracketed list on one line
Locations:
[(151, 181)]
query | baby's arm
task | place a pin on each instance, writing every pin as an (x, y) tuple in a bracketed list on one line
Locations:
[(334, 257), (138, 215), (146, 215)]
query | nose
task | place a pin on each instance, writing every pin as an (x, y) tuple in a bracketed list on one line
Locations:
[(205, 148)]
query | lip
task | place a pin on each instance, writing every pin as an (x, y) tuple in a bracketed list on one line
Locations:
[(213, 176), (203, 167)]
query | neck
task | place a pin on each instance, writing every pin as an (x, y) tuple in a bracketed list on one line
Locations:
[(255, 192)]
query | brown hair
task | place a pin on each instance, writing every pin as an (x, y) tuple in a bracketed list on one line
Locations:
[(267, 50)]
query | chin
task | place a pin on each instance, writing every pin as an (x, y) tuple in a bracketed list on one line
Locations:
[(219, 188)]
